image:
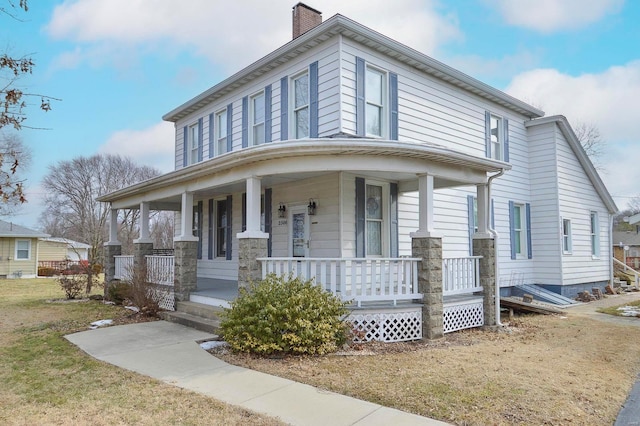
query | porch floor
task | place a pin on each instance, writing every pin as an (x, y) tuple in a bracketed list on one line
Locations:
[(216, 288)]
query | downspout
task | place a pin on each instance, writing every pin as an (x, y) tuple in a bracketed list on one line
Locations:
[(495, 247)]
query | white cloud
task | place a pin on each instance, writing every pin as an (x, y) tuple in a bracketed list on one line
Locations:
[(233, 34), (548, 16), (153, 146), (609, 100), (491, 69)]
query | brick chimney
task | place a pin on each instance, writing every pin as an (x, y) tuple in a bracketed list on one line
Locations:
[(304, 19)]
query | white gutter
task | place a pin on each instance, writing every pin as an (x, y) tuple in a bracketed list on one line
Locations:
[(495, 248)]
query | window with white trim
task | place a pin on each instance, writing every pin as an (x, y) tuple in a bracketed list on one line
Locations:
[(375, 95), (497, 137), (519, 233), (193, 144), (221, 228), (374, 217), (566, 236), (221, 132), (595, 240), (300, 106), (23, 250), (256, 117)]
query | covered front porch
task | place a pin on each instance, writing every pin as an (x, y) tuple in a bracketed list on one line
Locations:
[(237, 225)]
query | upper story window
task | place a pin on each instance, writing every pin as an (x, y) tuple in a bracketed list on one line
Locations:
[(221, 132), (257, 117), (497, 137), (595, 240), (193, 144), (566, 236), (375, 90), (301, 106), (23, 249)]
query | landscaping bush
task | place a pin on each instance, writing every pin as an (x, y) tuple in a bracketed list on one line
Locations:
[(44, 271), (285, 315), (118, 291), (72, 285)]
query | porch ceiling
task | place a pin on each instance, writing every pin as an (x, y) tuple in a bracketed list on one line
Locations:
[(281, 162)]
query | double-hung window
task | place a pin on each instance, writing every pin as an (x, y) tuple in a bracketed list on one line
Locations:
[(497, 137), (518, 230), (595, 241), (221, 228), (221, 132), (257, 116), (193, 144), (375, 90), (23, 249), (566, 236), (301, 106)]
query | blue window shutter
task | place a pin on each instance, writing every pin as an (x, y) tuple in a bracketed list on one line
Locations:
[(313, 100), (211, 227), (284, 108), (267, 216), (245, 122), (493, 215), (267, 114), (199, 229), (360, 104), (506, 140), (229, 127), (487, 133), (200, 139), (470, 222), (244, 211), (360, 219), (229, 226), (393, 123), (211, 135), (512, 230), (393, 216), (185, 142), (528, 219)]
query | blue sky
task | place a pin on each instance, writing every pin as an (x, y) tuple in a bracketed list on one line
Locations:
[(119, 65)]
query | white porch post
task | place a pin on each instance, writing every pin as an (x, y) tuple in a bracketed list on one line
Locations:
[(186, 219), (484, 214), (254, 190), (145, 236), (425, 208), (113, 228)]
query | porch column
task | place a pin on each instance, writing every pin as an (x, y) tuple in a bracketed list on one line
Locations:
[(112, 248), (252, 243), (425, 207), (485, 246), (145, 236), (185, 252), (430, 284)]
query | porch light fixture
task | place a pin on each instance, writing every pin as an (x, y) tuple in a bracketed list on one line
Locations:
[(282, 211), (311, 208)]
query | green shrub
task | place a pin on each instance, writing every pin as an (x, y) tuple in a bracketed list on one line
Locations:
[(285, 315)]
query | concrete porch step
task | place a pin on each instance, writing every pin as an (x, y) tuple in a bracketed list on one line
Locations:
[(199, 309), (193, 321)]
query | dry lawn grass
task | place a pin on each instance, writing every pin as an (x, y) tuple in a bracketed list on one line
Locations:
[(541, 370), (47, 380)]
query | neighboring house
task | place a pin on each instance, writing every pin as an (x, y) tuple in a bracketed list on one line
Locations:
[(61, 249), (18, 251), (348, 156), (626, 247)]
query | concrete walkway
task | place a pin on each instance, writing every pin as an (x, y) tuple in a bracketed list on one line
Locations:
[(169, 352)]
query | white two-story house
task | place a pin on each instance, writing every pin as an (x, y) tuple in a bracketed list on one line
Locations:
[(347, 156)]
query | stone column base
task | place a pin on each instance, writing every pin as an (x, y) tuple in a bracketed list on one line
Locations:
[(140, 251), (249, 268), (485, 247), (185, 268), (430, 284), (110, 250)]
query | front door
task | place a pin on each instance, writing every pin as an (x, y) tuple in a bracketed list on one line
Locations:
[(299, 232)]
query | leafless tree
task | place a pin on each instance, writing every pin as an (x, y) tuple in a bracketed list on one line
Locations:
[(591, 140), (13, 153), (72, 187), (162, 228)]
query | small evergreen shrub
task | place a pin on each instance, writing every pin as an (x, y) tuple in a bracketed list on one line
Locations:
[(281, 315)]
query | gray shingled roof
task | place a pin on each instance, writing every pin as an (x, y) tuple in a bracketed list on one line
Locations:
[(8, 229), (630, 238)]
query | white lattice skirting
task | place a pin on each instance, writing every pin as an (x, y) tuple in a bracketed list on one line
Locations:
[(463, 315), (386, 326), (165, 297)]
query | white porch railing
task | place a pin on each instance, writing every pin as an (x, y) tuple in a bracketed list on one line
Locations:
[(124, 266), (160, 269), (357, 279), (627, 270), (461, 275)]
